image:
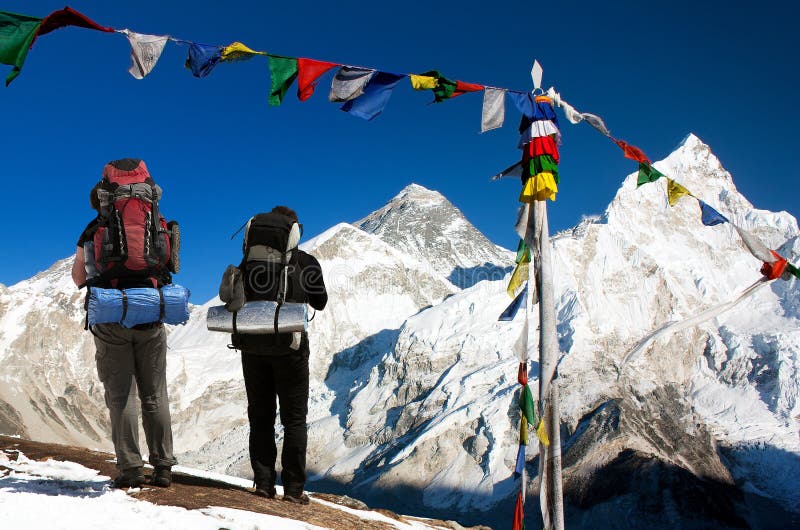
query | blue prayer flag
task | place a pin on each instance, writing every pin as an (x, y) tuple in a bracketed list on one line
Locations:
[(511, 311), (533, 110), (520, 462), (710, 216), (376, 94), (203, 58)]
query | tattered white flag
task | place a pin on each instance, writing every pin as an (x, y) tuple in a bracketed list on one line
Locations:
[(145, 52)]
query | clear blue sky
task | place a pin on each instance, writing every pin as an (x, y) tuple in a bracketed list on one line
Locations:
[(655, 71)]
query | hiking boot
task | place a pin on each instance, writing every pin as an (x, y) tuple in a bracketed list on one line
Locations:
[(133, 477), (264, 489), (300, 498), (162, 477)]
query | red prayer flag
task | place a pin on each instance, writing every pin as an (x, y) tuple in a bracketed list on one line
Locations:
[(462, 88), (774, 270), (544, 145), (522, 374), (519, 514), (632, 152), (68, 17), (308, 71)]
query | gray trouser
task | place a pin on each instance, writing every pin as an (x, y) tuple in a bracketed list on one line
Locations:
[(127, 359)]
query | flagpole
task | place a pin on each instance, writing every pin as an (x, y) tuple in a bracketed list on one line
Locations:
[(538, 240)]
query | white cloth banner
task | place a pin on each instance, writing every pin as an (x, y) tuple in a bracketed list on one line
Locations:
[(349, 83), (145, 52), (494, 109), (537, 130)]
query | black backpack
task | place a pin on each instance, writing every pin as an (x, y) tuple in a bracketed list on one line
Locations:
[(269, 259)]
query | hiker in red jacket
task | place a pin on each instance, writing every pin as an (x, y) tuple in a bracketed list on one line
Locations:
[(276, 365), (130, 359)]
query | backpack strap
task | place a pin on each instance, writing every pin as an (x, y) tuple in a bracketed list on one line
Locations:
[(162, 311), (124, 306)]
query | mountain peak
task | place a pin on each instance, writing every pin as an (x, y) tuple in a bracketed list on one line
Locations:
[(424, 224), (420, 195)]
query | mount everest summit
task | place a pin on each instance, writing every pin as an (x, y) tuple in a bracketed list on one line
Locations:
[(413, 391)]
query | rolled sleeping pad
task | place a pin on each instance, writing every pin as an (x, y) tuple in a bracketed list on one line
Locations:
[(141, 305), (258, 318)]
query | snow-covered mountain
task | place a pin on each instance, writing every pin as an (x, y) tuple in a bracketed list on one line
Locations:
[(424, 224), (413, 392)]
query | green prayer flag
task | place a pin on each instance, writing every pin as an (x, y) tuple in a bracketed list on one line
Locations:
[(17, 33), (523, 252), (527, 406), (647, 173), (544, 164), (444, 88), (793, 270), (282, 71)]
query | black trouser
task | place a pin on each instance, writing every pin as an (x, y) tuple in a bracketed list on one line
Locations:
[(285, 377)]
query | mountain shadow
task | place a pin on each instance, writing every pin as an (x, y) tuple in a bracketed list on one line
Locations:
[(465, 277)]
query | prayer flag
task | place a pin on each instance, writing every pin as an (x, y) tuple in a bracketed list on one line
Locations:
[(521, 344), (145, 52), (756, 247), (514, 170), (520, 467), (675, 191), (774, 269), (309, 71), (68, 17), (236, 51), (518, 277), (793, 270), (544, 164), (534, 108), (444, 89), (282, 71), (17, 33), (519, 514), (632, 152), (523, 431), (494, 109), (349, 83), (596, 122), (647, 173), (202, 58), (375, 97), (463, 87), (423, 82), (538, 129), (539, 187), (523, 252), (710, 216), (522, 374), (513, 308), (541, 433), (543, 145), (527, 406)]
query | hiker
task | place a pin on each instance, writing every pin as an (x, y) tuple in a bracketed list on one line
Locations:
[(128, 359), (275, 365)]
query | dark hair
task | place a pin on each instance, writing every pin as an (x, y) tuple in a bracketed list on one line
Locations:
[(94, 200), (285, 210)]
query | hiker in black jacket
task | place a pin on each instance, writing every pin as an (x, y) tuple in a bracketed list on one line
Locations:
[(276, 365)]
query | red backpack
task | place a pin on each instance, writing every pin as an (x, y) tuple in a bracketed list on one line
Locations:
[(132, 241)]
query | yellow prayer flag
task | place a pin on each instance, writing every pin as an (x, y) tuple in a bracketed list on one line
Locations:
[(519, 276), (423, 82), (540, 187), (675, 191), (541, 433), (523, 431), (237, 51)]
